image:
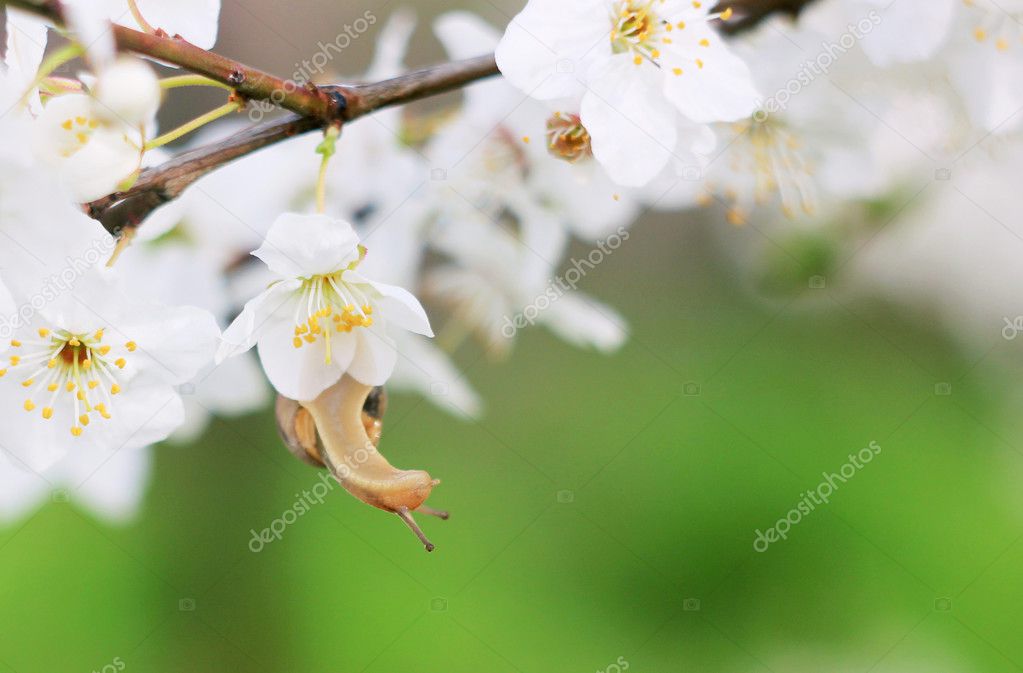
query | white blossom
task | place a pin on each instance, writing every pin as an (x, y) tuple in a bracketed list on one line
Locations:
[(322, 318), (634, 66)]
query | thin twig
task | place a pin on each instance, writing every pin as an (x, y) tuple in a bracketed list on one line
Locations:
[(248, 82), (165, 182), (315, 107)]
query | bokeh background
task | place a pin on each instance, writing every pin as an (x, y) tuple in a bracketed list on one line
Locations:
[(604, 507)]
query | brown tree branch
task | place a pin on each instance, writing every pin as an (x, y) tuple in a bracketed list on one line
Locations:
[(250, 83), (314, 107), (165, 182)]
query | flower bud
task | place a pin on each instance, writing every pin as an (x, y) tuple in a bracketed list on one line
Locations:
[(127, 91)]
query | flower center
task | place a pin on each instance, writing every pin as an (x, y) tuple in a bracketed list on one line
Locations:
[(328, 305), (77, 132), (73, 369), (634, 29), (996, 26), (768, 162), (567, 138)]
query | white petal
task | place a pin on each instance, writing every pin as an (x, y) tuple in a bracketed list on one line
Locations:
[(146, 412), (111, 484), (274, 304), (303, 373), (21, 490), (551, 43), (632, 129), (26, 44), (375, 356), (585, 322), (300, 246), (173, 343), (721, 90), (426, 369), (907, 31), (397, 305), (106, 160), (127, 91)]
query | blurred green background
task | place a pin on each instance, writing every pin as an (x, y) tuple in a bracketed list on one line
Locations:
[(604, 508)]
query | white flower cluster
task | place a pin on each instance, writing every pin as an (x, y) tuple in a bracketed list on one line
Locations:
[(605, 108)]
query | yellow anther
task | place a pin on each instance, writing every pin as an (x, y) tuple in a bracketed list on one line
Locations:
[(15, 343), (699, 64), (76, 431), (80, 395), (93, 384), (727, 14), (29, 405), (120, 362), (70, 386), (114, 389), (3, 373), (676, 71), (131, 346), (87, 363), (637, 60), (43, 332), (525, 139), (15, 360), (367, 309), (980, 34), (74, 342), (103, 350), (47, 413), (27, 382), (52, 387), (297, 341), (66, 125), (51, 364), (83, 419), (704, 42), (98, 336)]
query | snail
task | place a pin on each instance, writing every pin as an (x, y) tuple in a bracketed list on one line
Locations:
[(340, 430)]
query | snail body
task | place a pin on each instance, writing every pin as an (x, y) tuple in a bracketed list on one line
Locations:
[(340, 430)]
